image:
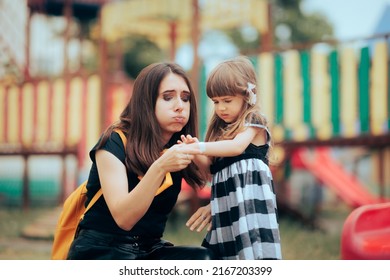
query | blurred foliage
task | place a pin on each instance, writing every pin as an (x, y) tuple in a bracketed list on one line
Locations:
[(139, 52), (290, 25), (304, 27)]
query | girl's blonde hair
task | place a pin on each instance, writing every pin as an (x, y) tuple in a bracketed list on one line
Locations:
[(231, 78)]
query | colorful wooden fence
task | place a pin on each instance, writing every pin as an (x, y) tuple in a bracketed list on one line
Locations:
[(314, 94), (53, 118), (56, 115), (325, 95)]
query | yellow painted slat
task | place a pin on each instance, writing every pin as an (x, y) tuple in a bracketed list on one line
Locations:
[(2, 113), (93, 113), (266, 85), (13, 114), (379, 87), (58, 111), (42, 128), (349, 96), (119, 99), (293, 105), (320, 102), (28, 114), (74, 113)]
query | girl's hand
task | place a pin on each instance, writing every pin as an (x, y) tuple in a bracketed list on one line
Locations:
[(200, 219), (187, 139)]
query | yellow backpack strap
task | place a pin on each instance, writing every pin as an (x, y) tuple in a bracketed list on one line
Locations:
[(94, 199), (100, 192), (122, 135)]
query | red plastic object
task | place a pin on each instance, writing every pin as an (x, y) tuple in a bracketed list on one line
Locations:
[(204, 193), (366, 233)]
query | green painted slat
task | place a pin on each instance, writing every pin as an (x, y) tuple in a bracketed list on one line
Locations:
[(306, 83), (278, 89), (335, 91), (306, 91), (364, 84), (254, 61)]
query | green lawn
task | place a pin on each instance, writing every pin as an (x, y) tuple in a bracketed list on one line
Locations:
[(298, 242)]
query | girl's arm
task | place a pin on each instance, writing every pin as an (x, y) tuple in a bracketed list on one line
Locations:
[(202, 161), (127, 208), (233, 147)]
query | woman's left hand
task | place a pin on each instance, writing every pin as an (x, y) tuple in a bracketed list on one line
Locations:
[(200, 219)]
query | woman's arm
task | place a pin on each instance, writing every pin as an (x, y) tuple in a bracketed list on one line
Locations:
[(128, 208)]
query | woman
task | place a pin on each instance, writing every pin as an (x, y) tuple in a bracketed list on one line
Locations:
[(128, 221)]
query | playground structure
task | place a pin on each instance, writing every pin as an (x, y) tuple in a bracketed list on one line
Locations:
[(336, 97), (321, 164), (62, 116), (316, 98)]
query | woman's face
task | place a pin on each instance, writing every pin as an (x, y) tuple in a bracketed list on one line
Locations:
[(172, 105)]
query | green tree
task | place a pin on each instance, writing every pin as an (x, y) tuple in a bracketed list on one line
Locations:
[(138, 53), (290, 25)]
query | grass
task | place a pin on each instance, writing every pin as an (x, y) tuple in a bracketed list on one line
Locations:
[(12, 220), (298, 241)]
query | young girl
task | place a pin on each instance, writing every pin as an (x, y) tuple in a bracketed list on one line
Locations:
[(244, 221)]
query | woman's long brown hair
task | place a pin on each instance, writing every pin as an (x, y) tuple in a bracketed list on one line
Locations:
[(139, 123)]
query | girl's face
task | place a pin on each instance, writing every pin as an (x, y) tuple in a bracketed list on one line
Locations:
[(172, 105), (228, 108)]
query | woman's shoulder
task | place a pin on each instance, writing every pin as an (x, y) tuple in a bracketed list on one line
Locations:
[(113, 144)]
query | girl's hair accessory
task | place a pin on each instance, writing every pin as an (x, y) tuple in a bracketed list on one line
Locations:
[(252, 96)]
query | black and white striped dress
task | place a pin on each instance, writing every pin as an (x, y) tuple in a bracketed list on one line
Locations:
[(243, 207)]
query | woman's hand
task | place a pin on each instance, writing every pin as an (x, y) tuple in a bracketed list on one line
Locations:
[(202, 161), (200, 219), (176, 158)]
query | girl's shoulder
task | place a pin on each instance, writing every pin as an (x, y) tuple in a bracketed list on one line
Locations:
[(258, 120)]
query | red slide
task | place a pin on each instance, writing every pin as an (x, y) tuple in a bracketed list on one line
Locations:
[(334, 176)]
